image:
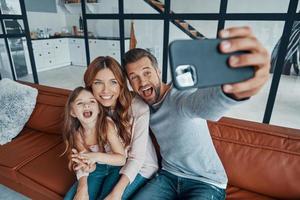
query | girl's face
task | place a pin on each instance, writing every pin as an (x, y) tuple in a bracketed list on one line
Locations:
[(85, 107), (106, 88)]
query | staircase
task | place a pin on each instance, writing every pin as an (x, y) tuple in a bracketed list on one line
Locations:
[(181, 24)]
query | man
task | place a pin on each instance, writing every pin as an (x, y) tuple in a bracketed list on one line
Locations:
[(191, 168)]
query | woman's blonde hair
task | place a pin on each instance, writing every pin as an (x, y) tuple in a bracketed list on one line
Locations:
[(121, 116)]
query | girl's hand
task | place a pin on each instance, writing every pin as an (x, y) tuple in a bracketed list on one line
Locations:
[(114, 196), (79, 163)]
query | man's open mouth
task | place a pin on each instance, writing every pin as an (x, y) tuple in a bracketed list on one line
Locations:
[(147, 91)]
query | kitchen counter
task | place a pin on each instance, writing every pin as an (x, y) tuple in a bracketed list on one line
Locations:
[(75, 36)]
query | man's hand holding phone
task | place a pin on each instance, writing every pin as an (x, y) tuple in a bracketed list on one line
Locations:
[(258, 57), (236, 60)]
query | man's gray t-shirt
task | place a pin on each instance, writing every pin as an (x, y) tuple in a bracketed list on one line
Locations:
[(178, 122)]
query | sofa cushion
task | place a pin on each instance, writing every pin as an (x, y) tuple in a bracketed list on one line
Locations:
[(235, 193), (17, 103), (28, 145), (48, 115), (48, 174), (255, 155)]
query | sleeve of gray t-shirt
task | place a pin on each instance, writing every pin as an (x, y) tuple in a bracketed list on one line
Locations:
[(208, 103)]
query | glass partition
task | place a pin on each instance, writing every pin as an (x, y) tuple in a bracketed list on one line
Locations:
[(148, 35), (287, 105), (5, 69), (10, 7), (13, 26), (104, 39), (19, 51)]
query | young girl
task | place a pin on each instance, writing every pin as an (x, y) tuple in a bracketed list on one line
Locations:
[(92, 139), (105, 78)]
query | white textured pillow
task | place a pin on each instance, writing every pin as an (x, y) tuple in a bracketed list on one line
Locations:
[(17, 102)]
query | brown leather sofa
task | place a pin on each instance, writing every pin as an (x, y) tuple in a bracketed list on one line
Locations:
[(262, 161)]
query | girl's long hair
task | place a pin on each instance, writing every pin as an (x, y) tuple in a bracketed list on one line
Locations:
[(72, 125), (121, 117)]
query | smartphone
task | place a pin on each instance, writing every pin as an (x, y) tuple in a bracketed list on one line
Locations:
[(200, 64)]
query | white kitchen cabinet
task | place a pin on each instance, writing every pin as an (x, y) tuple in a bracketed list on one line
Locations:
[(103, 47), (54, 53), (77, 52), (94, 49), (43, 54), (51, 54), (62, 52)]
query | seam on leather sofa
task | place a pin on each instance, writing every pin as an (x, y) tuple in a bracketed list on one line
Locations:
[(263, 128), (255, 146), (18, 173), (25, 161)]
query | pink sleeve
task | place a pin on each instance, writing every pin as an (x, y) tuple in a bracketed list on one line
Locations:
[(137, 153)]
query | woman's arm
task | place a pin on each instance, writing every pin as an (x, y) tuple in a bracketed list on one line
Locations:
[(116, 158), (82, 189), (137, 153), (140, 137), (119, 188)]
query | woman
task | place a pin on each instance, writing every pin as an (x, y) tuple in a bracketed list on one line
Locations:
[(131, 115)]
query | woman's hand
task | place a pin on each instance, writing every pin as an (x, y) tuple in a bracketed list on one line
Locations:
[(82, 190), (87, 157), (81, 195), (114, 196)]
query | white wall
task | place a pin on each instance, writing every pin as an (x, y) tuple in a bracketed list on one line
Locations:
[(195, 6), (54, 21), (213, 6), (72, 20), (257, 6), (149, 35), (137, 6), (42, 20), (267, 32)]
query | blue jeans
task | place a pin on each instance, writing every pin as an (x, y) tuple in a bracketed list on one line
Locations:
[(103, 175), (138, 182), (168, 186)]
